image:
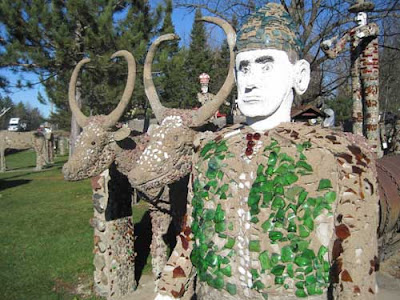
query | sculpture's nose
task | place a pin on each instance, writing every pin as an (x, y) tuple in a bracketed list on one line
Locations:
[(249, 89)]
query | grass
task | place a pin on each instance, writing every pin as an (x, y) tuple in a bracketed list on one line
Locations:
[(45, 237)]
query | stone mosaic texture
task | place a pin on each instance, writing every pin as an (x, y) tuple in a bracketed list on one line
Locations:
[(288, 220), (269, 27), (114, 255)]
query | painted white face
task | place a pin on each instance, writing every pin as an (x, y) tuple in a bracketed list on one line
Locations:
[(264, 81), (361, 19)]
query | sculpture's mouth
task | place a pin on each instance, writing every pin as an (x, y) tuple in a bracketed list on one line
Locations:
[(251, 99), (76, 172)]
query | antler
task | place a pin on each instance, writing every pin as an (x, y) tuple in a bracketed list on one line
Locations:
[(149, 87), (79, 116), (208, 110), (113, 117)]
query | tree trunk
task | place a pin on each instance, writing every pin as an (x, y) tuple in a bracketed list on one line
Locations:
[(75, 128)]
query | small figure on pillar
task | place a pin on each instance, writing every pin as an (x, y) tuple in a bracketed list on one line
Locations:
[(204, 96), (364, 72)]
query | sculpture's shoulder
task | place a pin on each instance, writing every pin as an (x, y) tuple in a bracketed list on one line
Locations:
[(334, 141), (204, 138)]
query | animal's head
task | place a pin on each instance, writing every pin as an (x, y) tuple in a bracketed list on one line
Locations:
[(167, 158), (95, 146)]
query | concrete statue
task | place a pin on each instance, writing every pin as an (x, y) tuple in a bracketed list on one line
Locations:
[(99, 147), (204, 96), (276, 210), (25, 140), (364, 54), (163, 167)]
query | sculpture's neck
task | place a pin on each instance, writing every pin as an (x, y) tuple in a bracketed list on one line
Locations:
[(281, 115)]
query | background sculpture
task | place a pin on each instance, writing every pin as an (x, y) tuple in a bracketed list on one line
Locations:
[(364, 54), (22, 141)]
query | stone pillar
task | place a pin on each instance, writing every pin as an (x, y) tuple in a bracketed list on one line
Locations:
[(61, 145), (357, 112), (396, 139), (370, 78), (114, 255)]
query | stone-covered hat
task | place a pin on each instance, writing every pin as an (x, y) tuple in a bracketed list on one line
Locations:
[(361, 6), (270, 27)]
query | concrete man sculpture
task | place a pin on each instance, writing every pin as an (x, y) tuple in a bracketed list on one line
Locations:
[(204, 96), (364, 54), (276, 210)]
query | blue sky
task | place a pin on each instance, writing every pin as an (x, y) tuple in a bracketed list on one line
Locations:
[(181, 18)]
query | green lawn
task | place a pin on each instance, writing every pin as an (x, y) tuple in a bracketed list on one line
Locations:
[(46, 241)]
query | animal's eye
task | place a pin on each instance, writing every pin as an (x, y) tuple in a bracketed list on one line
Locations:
[(93, 143)]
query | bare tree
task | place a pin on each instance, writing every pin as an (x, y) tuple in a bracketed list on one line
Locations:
[(316, 20), (4, 110)]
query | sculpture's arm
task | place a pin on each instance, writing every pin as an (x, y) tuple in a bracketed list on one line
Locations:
[(177, 275), (354, 251), (369, 30), (332, 48)]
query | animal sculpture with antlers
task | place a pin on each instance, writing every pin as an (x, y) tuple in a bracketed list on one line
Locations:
[(98, 146), (21, 141), (168, 157)]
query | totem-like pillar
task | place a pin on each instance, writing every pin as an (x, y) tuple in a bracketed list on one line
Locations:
[(114, 255), (396, 142), (61, 145), (364, 72)]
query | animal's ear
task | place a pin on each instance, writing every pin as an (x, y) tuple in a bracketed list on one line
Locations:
[(121, 133)]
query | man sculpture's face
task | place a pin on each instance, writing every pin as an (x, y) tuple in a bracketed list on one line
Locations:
[(361, 19), (264, 81)]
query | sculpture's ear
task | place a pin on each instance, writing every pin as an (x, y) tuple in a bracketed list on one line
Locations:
[(301, 76), (121, 133)]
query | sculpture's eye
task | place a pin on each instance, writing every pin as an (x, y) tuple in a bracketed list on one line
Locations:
[(244, 67), (93, 143), (267, 67), (176, 138)]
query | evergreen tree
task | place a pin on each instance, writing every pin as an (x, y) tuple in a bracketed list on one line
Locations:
[(50, 37), (199, 61), (170, 64), (219, 72)]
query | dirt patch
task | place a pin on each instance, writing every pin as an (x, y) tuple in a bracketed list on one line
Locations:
[(391, 266), (83, 289)]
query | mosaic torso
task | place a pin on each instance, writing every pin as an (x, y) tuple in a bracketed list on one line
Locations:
[(279, 214)]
